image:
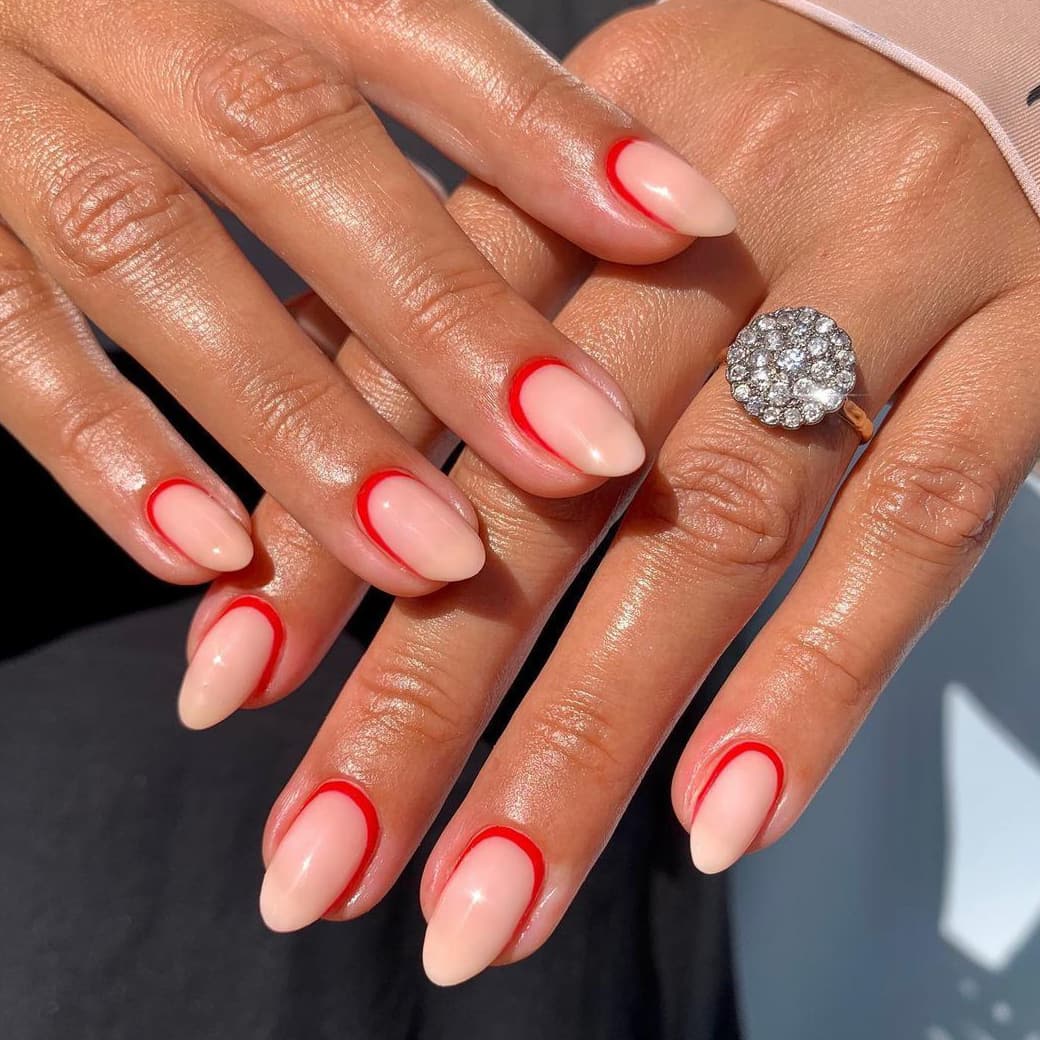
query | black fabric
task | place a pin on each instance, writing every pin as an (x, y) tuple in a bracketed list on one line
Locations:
[(129, 849)]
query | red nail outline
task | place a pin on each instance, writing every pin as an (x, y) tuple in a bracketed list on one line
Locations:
[(735, 751), (274, 619), (149, 507), (613, 157), (516, 409), (527, 846), (362, 509), (368, 810)]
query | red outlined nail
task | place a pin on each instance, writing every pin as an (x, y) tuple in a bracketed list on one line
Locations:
[(363, 508), (149, 506), (516, 409), (368, 810), (526, 845), (735, 752), (613, 158), (274, 619)]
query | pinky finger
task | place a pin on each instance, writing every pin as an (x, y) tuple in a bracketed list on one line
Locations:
[(905, 532), (103, 441)]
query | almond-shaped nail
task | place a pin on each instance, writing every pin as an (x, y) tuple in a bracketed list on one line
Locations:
[(734, 806), (667, 189), (233, 663), (483, 904), (320, 859), (198, 526), (416, 527), (574, 420)]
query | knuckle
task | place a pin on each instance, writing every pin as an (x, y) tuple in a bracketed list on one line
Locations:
[(722, 505), (776, 106), (532, 104), (112, 210), (407, 698), (403, 12), (818, 659), (927, 149), (932, 503), (97, 423), (283, 409), (575, 730), (444, 298), (25, 294), (259, 93)]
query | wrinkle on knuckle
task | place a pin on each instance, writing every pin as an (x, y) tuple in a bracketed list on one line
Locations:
[(91, 423), (443, 297), (284, 412), (408, 700), (114, 210), (932, 503), (25, 296), (721, 505), (261, 92), (575, 729), (814, 658)]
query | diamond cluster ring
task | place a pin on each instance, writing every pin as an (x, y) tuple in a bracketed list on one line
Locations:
[(793, 368)]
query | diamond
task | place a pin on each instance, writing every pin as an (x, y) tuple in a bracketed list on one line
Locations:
[(774, 340), (792, 360), (819, 347), (825, 324), (742, 393), (792, 418), (771, 416), (761, 377), (841, 339), (737, 373), (822, 371), (754, 406), (813, 412), (830, 398), (779, 393), (766, 323), (845, 380), (760, 359)]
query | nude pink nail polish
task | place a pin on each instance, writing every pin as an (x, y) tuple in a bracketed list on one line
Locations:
[(321, 858), (484, 902), (574, 420), (198, 526), (734, 805), (667, 189), (233, 663), (417, 528)]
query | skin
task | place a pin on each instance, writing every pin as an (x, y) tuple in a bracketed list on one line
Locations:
[(262, 107), (867, 193)]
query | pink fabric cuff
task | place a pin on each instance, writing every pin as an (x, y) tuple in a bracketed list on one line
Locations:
[(984, 52)]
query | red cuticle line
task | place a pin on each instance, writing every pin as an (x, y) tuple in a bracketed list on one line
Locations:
[(368, 810), (274, 619), (363, 509), (526, 845), (735, 752), (149, 507), (613, 156), (516, 409)]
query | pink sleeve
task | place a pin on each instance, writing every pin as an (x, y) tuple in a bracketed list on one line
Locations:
[(985, 52)]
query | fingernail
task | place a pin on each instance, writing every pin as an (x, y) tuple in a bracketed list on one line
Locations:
[(574, 420), (491, 891), (321, 858), (234, 662), (734, 805), (198, 526), (667, 189), (417, 528)]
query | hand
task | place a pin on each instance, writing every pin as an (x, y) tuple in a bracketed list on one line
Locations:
[(865, 192), (119, 115)]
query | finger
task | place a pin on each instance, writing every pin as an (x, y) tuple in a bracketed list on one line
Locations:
[(307, 592), (489, 97), (413, 709), (916, 515), (284, 140), (145, 258), (318, 320), (103, 440)]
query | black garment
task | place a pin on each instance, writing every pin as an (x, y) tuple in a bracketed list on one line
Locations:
[(129, 849)]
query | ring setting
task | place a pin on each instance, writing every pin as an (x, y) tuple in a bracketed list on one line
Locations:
[(792, 368)]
